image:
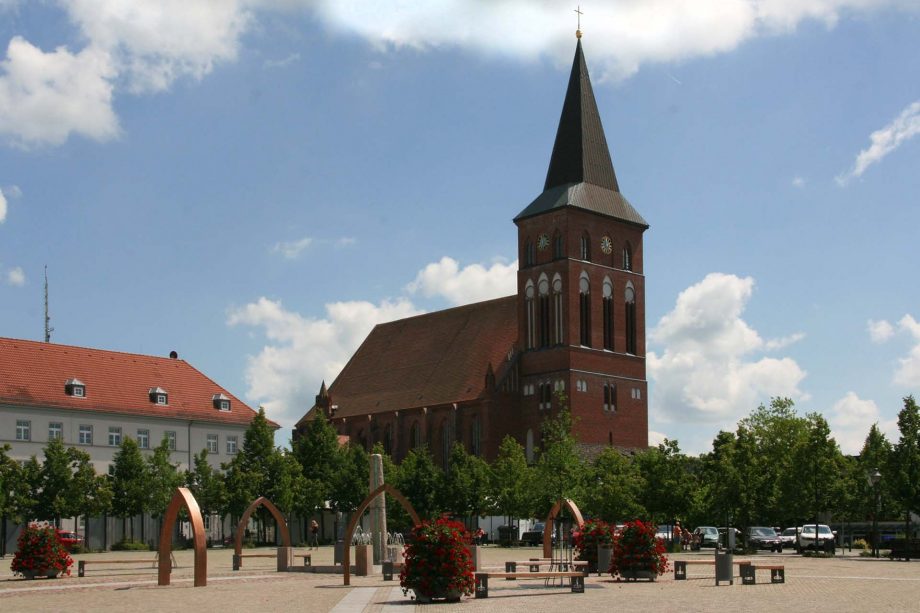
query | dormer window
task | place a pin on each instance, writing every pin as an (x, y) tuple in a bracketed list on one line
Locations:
[(76, 388), (159, 396), (221, 402)]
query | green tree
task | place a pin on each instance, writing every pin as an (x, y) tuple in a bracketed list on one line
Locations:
[(130, 483), (666, 495), (512, 481), (317, 452), (615, 488), (560, 469), (419, 479), (817, 464), (351, 480), (13, 491), (875, 455), (207, 485), (55, 477), (905, 463), (164, 477), (465, 485), (90, 494)]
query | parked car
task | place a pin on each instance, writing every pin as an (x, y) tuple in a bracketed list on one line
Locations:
[(826, 539), (704, 536), (723, 536), (789, 536), (762, 537), (69, 539), (534, 536), (666, 532)]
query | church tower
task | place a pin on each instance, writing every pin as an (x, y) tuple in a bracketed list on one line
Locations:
[(581, 287)]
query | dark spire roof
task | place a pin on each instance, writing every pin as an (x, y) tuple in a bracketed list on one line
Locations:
[(580, 172), (580, 154)]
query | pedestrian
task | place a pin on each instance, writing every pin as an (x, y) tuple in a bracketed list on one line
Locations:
[(314, 534)]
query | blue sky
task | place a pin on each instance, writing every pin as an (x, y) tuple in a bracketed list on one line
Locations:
[(256, 183)]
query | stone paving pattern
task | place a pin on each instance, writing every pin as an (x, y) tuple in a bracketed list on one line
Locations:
[(844, 583)]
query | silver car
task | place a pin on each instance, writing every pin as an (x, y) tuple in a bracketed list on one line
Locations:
[(826, 540)]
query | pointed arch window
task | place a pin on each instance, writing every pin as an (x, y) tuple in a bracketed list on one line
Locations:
[(543, 287), (475, 437), (627, 257), (558, 330), (530, 314), (584, 310), (585, 250), (415, 435), (631, 339), (446, 442), (388, 439), (558, 246), (610, 397), (608, 314), (530, 253)]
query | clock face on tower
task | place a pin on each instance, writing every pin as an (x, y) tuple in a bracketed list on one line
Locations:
[(542, 242), (606, 245)]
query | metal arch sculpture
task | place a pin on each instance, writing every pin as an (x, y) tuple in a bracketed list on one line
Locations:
[(548, 526), (356, 516), (279, 518), (183, 498)]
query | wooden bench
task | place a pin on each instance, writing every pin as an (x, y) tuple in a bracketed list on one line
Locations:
[(577, 579), (81, 565), (680, 566), (534, 565), (307, 558), (748, 573), (238, 558)]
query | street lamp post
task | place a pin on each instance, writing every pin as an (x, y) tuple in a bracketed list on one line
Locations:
[(874, 480)]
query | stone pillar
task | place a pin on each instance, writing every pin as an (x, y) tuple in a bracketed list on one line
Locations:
[(378, 509), (285, 558)]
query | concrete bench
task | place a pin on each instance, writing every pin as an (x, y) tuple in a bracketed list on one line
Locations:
[(680, 566), (748, 573), (307, 558), (81, 565), (535, 564), (577, 579), (238, 558)]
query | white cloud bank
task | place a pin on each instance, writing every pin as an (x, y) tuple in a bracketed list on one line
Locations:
[(708, 371), (145, 45), (850, 419), (300, 352), (2, 207), (291, 250), (907, 373), (903, 128)]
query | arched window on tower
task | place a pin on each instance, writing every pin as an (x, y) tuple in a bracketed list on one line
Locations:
[(585, 247), (530, 254), (608, 314), (558, 330), (530, 314), (631, 343), (584, 310), (627, 257), (558, 246), (415, 435), (543, 286), (475, 437)]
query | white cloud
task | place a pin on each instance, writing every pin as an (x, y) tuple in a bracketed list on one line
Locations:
[(300, 351), (707, 371), (16, 277), (2, 207), (291, 250), (471, 284), (13, 191), (904, 127), (850, 419), (656, 438), (798, 182), (45, 97), (879, 331), (908, 372), (290, 59), (345, 241), (780, 343)]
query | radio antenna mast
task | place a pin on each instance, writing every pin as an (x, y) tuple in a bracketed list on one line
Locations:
[(48, 328)]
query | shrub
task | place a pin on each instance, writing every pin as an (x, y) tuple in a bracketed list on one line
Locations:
[(589, 537), (860, 544), (40, 552), (438, 562), (130, 545), (636, 549)]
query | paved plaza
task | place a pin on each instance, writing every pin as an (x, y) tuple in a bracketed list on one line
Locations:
[(844, 583)]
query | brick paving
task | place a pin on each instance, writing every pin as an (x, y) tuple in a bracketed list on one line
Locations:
[(841, 584)]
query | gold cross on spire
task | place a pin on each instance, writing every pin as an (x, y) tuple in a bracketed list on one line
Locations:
[(580, 13)]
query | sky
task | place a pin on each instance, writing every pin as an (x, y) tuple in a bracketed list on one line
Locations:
[(256, 183)]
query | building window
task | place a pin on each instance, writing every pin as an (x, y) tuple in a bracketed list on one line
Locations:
[(55, 430), (75, 387), (627, 257), (581, 385), (388, 439), (23, 430), (608, 315), (544, 311), (546, 395), (558, 246), (528, 449), (143, 438), (585, 247), (636, 393), (158, 396), (114, 436), (475, 438), (446, 443), (584, 310), (529, 253), (231, 445), (86, 435), (558, 328), (630, 320), (415, 435), (529, 308), (610, 397), (170, 436), (212, 443), (221, 402)]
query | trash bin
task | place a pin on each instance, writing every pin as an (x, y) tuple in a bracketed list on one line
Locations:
[(724, 566), (507, 535), (604, 556)]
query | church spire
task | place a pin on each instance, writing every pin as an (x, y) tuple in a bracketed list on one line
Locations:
[(580, 154)]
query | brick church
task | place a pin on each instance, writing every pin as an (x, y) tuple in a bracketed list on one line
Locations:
[(477, 373)]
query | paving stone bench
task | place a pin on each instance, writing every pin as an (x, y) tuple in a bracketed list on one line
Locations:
[(81, 564), (680, 566), (749, 576), (576, 578)]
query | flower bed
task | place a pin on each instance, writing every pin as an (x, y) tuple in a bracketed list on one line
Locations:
[(637, 553), (40, 553), (438, 562), (592, 534)]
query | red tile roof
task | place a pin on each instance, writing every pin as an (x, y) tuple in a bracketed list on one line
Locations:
[(34, 374), (427, 360)]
